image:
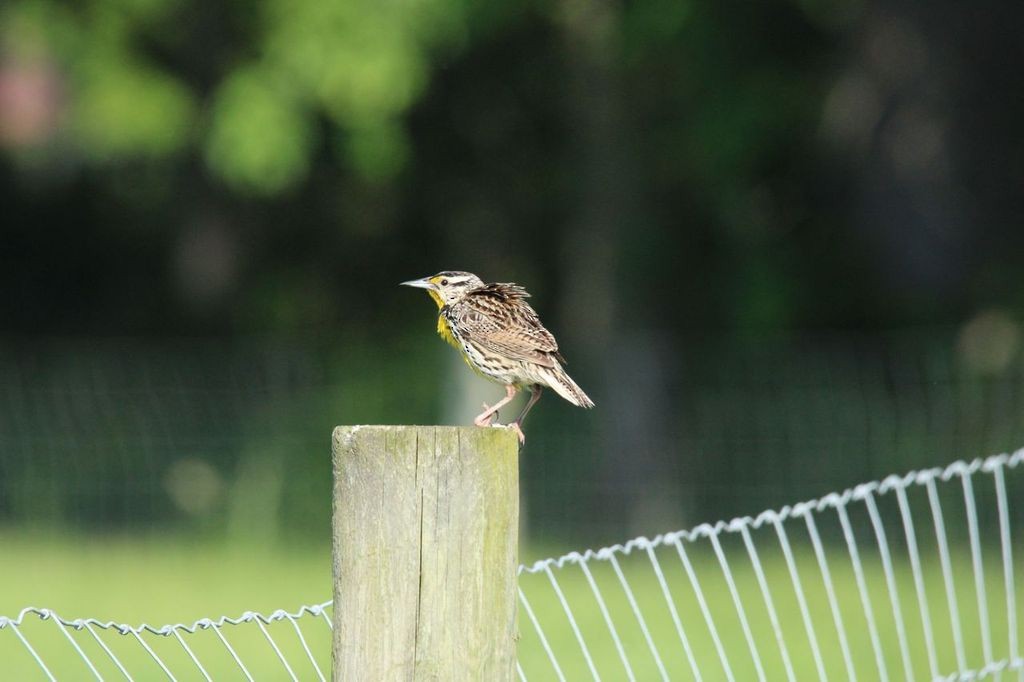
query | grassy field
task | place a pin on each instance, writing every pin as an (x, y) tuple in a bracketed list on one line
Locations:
[(640, 576), (130, 580), (157, 582)]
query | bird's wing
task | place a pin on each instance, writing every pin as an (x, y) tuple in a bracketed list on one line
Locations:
[(498, 319)]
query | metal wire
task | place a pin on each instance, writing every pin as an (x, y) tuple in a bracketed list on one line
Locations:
[(889, 637), (179, 631)]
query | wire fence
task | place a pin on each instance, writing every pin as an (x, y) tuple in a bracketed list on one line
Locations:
[(145, 667), (892, 579), (148, 436)]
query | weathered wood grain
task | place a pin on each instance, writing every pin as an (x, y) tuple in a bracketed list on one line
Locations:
[(425, 553)]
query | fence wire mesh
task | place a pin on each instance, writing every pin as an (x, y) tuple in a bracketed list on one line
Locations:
[(148, 436), (894, 579), (280, 645)]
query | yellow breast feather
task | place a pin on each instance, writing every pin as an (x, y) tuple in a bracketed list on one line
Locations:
[(446, 332)]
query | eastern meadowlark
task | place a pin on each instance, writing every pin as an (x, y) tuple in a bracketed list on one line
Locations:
[(500, 337)]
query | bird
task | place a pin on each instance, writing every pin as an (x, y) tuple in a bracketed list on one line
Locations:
[(500, 337)]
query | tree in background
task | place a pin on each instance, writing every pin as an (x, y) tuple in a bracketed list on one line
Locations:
[(650, 169)]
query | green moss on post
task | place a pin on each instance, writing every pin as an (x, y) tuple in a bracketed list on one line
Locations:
[(425, 528)]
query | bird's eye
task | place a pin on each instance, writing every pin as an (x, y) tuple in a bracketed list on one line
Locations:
[(444, 282)]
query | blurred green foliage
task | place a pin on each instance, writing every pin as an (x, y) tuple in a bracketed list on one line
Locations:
[(788, 164), (359, 65), (723, 209), (717, 205)]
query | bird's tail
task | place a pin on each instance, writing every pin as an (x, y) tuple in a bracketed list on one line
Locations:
[(562, 384)]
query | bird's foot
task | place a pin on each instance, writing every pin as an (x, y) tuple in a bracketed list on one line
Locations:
[(519, 432)]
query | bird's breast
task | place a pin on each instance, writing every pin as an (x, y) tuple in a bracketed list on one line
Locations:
[(470, 354)]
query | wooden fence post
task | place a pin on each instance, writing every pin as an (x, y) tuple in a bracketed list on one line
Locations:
[(425, 535)]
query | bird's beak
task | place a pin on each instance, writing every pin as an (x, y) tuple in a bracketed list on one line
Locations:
[(424, 283)]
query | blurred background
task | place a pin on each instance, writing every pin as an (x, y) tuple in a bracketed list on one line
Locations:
[(780, 244)]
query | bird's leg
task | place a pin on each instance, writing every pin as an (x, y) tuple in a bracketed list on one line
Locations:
[(493, 417), (484, 418), (535, 392)]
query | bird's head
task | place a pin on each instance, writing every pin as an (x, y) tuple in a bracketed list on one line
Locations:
[(447, 287)]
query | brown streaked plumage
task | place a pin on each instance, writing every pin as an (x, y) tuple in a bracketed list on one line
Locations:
[(501, 337)]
